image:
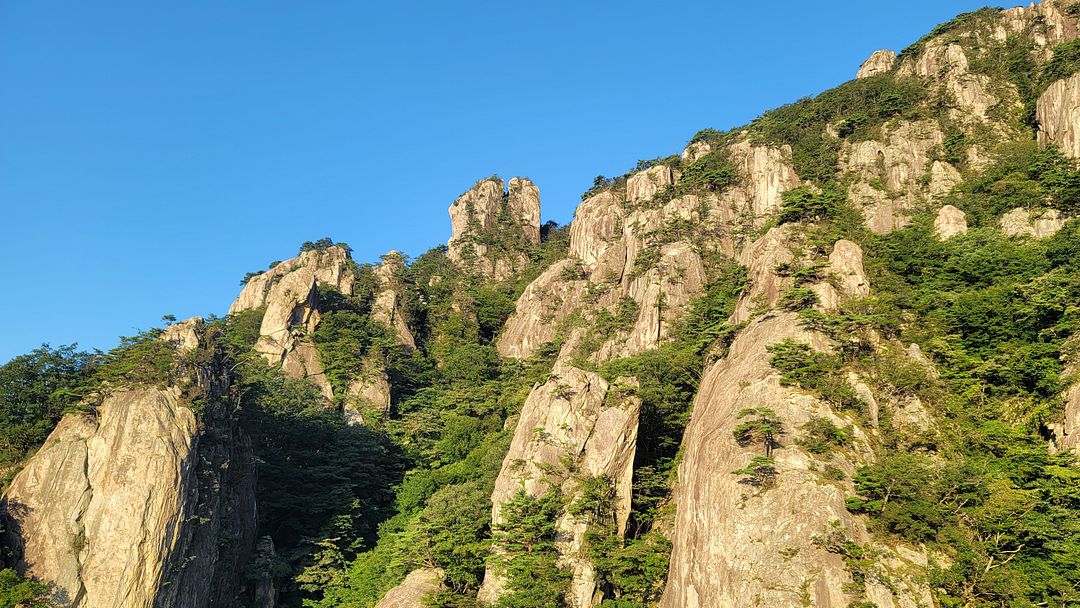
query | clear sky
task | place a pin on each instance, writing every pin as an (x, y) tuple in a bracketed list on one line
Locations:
[(151, 153)]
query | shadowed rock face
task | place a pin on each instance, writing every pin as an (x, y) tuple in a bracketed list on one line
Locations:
[(104, 512), (493, 225)]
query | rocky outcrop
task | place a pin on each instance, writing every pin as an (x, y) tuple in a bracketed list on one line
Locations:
[(386, 308), (950, 222), (331, 266), (879, 62), (761, 260), (1068, 433), (890, 177), (368, 393), (1058, 114), (845, 277), (945, 64), (735, 543), (292, 312), (410, 593), (624, 248), (644, 185), (493, 226), (575, 417), (1021, 222), (105, 512), (695, 150)]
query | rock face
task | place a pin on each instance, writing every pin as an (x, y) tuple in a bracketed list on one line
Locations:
[(1069, 436), (879, 62), (889, 177), (386, 308), (950, 222), (492, 226), (332, 266), (947, 65), (104, 512), (624, 248), (735, 545), (292, 312), (411, 592), (575, 416), (1021, 222), (1058, 114)]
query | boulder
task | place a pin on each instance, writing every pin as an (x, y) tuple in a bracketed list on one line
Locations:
[(950, 222), (410, 593)]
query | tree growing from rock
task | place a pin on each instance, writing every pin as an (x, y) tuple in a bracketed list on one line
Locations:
[(763, 426)]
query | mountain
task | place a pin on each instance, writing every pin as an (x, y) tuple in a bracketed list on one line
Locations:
[(825, 359)]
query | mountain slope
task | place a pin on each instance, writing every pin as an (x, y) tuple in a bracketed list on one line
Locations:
[(824, 359)]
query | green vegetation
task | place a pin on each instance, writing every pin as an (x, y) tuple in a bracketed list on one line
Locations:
[(527, 536), (763, 427), (18, 592), (814, 371), (36, 389), (855, 109)]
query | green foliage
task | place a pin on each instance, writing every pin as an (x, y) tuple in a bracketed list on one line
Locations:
[(819, 372), (140, 359), (950, 31), (36, 389), (712, 172), (857, 108), (759, 472), (1064, 63), (806, 204), (323, 243), (19, 592), (529, 560), (798, 298), (822, 436), (763, 426), (1024, 176)]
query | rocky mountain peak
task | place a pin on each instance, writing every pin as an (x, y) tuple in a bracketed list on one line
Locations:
[(493, 225)]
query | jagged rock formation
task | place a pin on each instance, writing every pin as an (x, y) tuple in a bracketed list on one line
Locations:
[(289, 291), (292, 312), (492, 226), (879, 62), (331, 266), (410, 593), (845, 277), (1068, 433), (1021, 222), (888, 176), (102, 512), (386, 308), (1058, 114), (575, 416), (622, 249), (950, 222)]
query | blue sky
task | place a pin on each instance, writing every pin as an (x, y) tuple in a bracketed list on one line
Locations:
[(151, 153)]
